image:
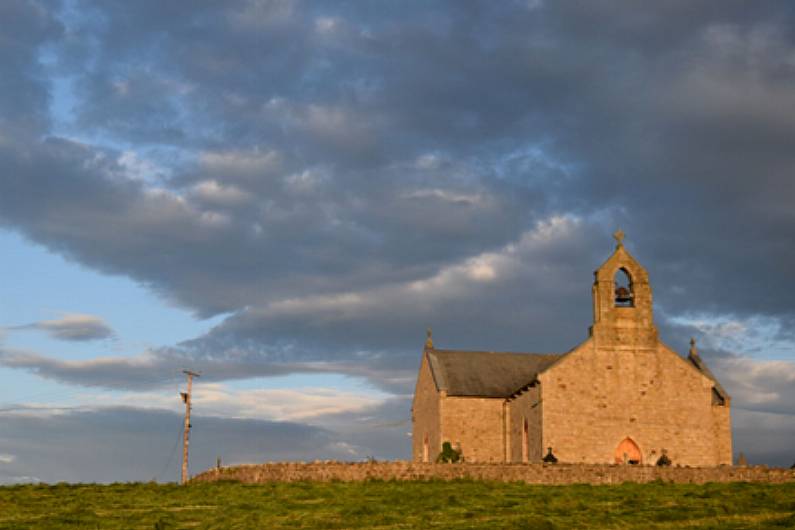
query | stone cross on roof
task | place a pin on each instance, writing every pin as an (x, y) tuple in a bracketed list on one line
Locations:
[(619, 235)]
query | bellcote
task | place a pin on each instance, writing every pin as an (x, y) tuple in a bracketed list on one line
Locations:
[(622, 301)]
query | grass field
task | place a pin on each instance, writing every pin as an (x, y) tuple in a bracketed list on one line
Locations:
[(392, 505)]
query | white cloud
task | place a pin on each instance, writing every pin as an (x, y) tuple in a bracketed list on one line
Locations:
[(761, 385), (213, 192), (458, 280), (214, 219), (222, 400), (236, 163), (429, 161), (447, 196), (280, 404), (757, 336), (554, 228), (140, 168), (6, 458), (348, 449), (341, 127), (305, 181), (481, 271), (326, 24)]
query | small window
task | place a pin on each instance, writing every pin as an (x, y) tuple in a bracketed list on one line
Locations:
[(717, 399)]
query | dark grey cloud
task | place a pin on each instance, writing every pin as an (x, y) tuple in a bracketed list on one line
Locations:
[(24, 100), (73, 327), (367, 149), (338, 177), (113, 444), (128, 444), (219, 259), (153, 369), (764, 438), (382, 432), (378, 333)]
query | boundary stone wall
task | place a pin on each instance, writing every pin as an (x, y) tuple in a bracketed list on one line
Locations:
[(528, 473)]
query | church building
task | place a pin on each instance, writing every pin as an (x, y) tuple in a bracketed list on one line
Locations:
[(621, 396)]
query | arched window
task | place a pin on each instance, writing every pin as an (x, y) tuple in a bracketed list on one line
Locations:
[(525, 442), (624, 295), (426, 457)]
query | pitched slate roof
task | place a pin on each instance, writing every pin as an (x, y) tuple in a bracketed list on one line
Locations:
[(699, 364), (485, 374)]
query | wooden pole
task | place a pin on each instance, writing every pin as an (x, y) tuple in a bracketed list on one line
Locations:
[(186, 397)]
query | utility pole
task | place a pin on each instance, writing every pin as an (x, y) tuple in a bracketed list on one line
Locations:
[(186, 396)]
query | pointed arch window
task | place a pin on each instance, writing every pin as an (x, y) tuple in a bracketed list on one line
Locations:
[(625, 297)]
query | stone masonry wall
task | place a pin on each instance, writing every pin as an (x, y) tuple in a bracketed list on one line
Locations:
[(722, 426), (528, 473), (525, 407), (596, 397), (620, 388), (476, 424), (425, 416)]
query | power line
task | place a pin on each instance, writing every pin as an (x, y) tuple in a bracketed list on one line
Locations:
[(171, 455)]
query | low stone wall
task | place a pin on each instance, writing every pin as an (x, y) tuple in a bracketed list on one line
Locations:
[(529, 473)]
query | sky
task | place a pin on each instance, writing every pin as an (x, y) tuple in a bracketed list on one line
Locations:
[(283, 195)]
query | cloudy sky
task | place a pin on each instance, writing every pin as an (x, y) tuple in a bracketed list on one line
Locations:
[(283, 195)]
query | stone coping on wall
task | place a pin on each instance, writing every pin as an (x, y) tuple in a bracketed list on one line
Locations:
[(326, 471)]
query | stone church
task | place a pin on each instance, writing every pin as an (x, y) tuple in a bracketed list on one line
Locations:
[(621, 396)]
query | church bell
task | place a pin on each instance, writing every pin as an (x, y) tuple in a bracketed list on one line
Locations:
[(623, 295)]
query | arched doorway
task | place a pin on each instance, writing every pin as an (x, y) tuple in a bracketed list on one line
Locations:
[(628, 452)]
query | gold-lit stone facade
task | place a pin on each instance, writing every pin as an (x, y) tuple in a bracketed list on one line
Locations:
[(622, 396)]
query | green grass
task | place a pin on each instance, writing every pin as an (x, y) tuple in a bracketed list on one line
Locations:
[(392, 505)]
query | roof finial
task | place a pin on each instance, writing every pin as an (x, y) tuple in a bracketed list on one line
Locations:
[(693, 350), (429, 339), (619, 235)]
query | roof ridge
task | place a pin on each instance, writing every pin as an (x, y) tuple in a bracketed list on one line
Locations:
[(439, 350)]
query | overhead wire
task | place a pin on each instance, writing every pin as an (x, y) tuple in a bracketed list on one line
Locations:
[(170, 456)]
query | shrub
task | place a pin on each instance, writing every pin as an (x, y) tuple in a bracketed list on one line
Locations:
[(664, 461), (448, 454)]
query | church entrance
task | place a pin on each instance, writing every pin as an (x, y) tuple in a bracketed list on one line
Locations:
[(628, 452)]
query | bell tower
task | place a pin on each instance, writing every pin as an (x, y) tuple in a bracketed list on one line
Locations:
[(622, 303)]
